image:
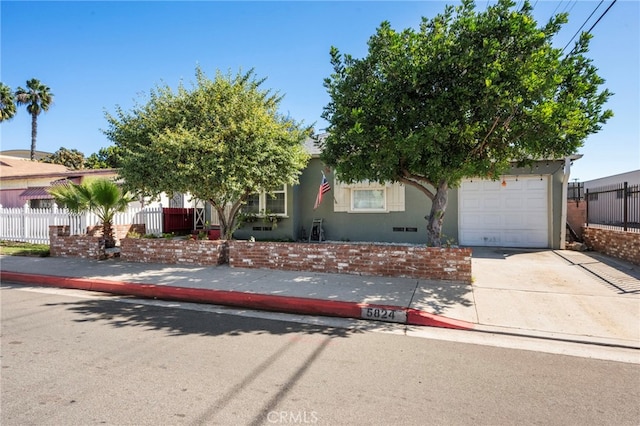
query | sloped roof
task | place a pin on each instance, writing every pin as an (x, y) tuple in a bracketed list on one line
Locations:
[(22, 168), (310, 144), (25, 153), (14, 167), (35, 193)]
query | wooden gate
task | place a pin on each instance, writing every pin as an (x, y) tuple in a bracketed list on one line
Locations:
[(177, 220)]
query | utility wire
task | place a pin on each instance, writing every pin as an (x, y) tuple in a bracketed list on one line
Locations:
[(557, 6), (601, 16), (572, 6), (585, 23)]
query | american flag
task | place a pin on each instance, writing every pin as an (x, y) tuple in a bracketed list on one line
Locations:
[(324, 187)]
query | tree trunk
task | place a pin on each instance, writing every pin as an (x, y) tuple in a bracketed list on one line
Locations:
[(34, 132), (224, 225), (228, 222), (436, 216), (107, 234)]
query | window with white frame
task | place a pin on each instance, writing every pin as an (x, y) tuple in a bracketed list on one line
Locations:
[(273, 203), (368, 197)]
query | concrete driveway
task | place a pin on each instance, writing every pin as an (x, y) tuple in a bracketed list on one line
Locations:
[(563, 294)]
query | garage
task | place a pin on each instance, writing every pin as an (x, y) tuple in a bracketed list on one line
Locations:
[(512, 212)]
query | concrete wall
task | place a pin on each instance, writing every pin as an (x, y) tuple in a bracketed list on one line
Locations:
[(620, 244)]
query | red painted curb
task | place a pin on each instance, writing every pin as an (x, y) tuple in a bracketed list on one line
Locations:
[(418, 317), (267, 302)]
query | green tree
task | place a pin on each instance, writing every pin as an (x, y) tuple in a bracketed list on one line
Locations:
[(7, 103), (37, 97), (466, 95), (105, 158), (100, 196), (221, 141), (70, 158)]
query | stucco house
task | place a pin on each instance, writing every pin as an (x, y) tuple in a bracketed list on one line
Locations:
[(26, 181), (607, 202), (525, 208)]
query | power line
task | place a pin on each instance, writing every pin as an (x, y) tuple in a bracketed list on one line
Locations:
[(572, 6), (585, 23), (557, 6), (601, 16)]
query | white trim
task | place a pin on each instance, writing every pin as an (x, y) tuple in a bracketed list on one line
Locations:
[(262, 202), (394, 194)]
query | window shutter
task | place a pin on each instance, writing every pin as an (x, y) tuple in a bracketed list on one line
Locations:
[(342, 197), (395, 197)]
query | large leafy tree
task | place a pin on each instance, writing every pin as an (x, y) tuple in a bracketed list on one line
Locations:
[(100, 196), (37, 97), (222, 140), (466, 95), (71, 158), (105, 158), (7, 103)]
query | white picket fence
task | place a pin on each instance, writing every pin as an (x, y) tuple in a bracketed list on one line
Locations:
[(32, 225)]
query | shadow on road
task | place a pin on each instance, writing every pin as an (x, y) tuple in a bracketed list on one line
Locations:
[(175, 321)]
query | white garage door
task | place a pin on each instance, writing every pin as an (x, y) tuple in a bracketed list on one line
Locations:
[(514, 215)]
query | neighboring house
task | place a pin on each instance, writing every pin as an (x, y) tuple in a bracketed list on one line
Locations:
[(525, 208), (632, 178), (606, 201), (25, 181), (25, 153)]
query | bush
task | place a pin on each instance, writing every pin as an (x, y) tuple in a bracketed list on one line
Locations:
[(18, 248)]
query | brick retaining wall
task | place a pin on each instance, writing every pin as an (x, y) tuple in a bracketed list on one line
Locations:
[(161, 250), (620, 244), (61, 244), (365, 259), (577, 215), (119, 231), (87, 246)]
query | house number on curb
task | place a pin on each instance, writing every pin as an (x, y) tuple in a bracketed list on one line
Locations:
[(381, 314)]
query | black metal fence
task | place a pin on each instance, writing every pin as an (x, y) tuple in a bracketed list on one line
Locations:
[(614, 206), (575, 191)]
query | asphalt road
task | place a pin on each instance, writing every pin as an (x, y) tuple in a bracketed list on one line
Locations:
[(72, 358)]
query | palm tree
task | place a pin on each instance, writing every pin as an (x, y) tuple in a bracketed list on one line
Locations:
[(7, 103), (37, 97), (102, 197)]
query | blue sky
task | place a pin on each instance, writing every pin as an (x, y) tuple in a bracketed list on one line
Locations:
[(96, 55)]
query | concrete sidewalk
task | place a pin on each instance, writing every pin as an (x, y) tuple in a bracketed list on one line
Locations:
[(545, 294)]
